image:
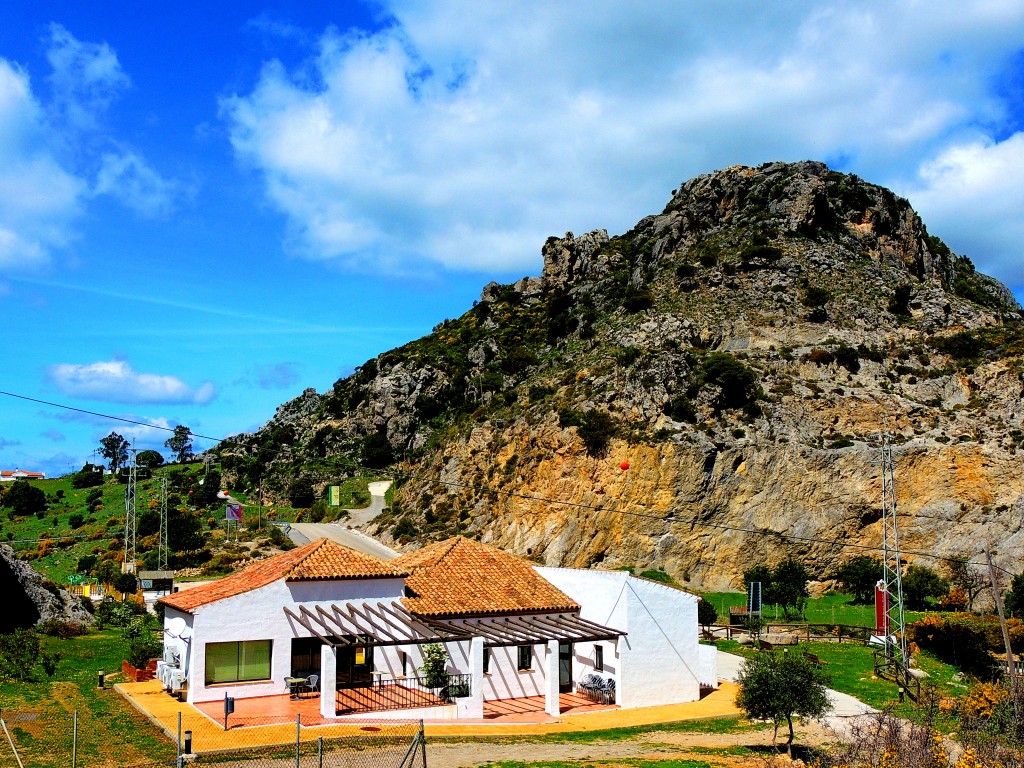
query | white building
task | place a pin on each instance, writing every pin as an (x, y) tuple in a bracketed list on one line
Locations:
[(509, 628)]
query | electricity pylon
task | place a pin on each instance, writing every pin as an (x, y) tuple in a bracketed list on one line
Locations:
[(895, 629), (130, 515), (162, 546)]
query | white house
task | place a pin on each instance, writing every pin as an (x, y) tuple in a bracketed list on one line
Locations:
[(355, 627), (10, 475)]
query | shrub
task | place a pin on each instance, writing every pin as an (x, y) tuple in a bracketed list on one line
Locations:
[(680, 408), (637, 299), (820, 357), (24, 499), (76, 520), (960, 346), (816, 296), (435, 665), (737, 382), (847, 357), (685, 270), (899, 302), (707, 614), (956, 639), (596, 429), (377, 452)]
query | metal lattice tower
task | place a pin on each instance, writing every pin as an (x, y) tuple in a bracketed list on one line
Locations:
[(895, 631), (162, 546), (130, 517)]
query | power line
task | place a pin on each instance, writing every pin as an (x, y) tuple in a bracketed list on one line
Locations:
[(105, 415), (670, 517)]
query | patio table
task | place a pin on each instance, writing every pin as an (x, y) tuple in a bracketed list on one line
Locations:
[(295, 684)]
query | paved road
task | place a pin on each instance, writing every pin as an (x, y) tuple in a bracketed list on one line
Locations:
[(344, 532)]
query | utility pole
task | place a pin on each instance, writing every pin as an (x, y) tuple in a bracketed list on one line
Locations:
[(1011, 666), (895, 631), (162, 546), (130, 515)]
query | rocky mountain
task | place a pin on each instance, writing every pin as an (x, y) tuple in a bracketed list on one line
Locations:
[(741, 351)]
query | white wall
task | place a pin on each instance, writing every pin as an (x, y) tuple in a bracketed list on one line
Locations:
[(658, 661), (259, 615)]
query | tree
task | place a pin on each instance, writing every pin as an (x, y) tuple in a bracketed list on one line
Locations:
[(969, 578), (859, 576), (707, 614), (920, 584), (180, 443), (88, 476), (1013, 601), (115, 450), (776, 686), (377, 451), (25, 499), (149, 459), (435, 665), (789, 586)]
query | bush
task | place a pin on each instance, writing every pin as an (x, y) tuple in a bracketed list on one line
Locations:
[(142, 648), (25, 499), (960, 346), (88, 476), (899, 302), (680, 408), (707, 614), (596, 429), (637, 300), (815, 296), (956, 639), (377, 452), (737, 382), (76, 520)]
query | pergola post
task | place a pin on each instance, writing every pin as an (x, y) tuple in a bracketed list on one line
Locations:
[(328, 680), (474, 706), (553, 706)]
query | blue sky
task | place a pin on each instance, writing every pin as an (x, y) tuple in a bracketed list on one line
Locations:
[(205, 209)]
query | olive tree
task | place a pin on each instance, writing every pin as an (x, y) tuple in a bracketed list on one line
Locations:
[(778, 686)]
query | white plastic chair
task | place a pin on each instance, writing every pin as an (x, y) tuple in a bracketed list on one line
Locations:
[(312, 682)]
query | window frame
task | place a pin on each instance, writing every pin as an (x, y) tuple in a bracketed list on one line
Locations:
[(598, 657), (527, 664), (487, 661), (240, 661)]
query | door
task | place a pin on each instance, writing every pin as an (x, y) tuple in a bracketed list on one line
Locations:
[(565, 667), (305, 656), (355, 663)]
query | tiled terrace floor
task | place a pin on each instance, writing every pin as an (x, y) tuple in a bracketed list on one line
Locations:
[(508, 717)]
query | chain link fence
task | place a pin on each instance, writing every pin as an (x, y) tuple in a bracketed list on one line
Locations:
[(46, 737)]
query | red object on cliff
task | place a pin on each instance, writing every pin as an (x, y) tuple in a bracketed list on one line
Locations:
[(624, 466)]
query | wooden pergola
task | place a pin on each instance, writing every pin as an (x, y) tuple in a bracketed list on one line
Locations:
[(390, 624)]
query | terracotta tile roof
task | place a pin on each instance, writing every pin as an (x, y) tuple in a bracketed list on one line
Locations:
[(460, 577), (320, 560)]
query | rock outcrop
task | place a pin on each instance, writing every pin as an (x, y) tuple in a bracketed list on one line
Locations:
[(742, 350), (30, 598)]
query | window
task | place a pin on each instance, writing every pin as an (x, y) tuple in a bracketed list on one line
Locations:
[(238, 662), (599, 658), (487, 661), (405, 662), (525, 657)]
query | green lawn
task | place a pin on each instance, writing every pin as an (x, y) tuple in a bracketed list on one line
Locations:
[(827, 609), (851, 669), (111, 732)]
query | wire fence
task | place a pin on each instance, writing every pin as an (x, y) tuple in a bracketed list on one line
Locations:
[(45, 737)]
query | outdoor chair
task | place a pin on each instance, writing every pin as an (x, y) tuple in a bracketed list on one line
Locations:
[(311, 683), (591, 686), (609, 691)]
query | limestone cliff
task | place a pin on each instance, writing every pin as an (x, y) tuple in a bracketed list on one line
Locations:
[(740, 350)]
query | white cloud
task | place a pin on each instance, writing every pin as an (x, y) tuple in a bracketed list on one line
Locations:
[(972, 191), (117, 382), (465, 133), (39, 198), (86, 78), (131, 180)]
